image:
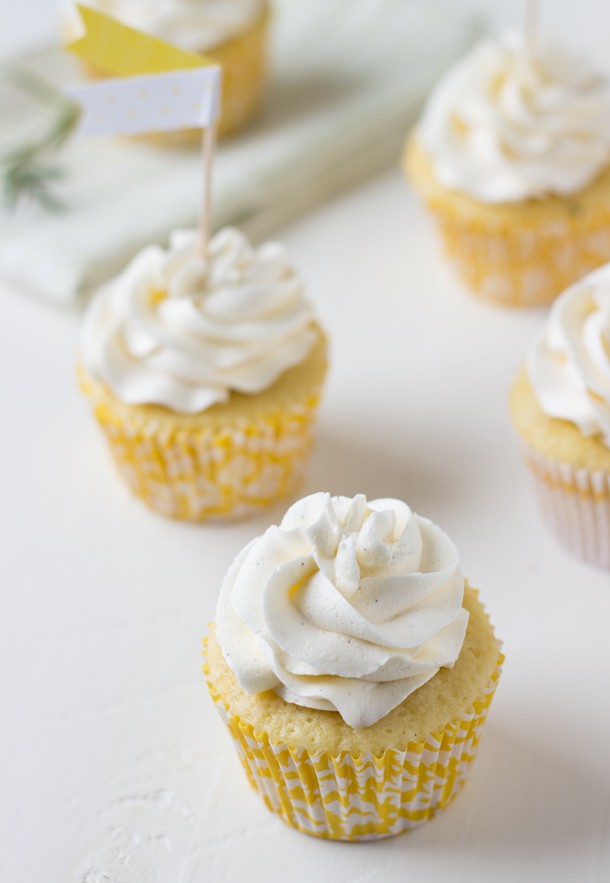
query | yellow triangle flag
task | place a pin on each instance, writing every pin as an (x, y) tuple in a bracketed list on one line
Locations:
[(114, 48)]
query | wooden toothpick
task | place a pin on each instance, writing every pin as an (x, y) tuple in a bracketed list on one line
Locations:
[(205, 223), (532, 12)]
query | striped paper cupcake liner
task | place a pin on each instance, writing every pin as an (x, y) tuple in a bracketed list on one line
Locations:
[(366, 797), (524, 266), (197, 472), (575, 503)]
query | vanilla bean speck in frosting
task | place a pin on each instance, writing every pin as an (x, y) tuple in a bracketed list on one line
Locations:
[(517, 119), (568, 364), (183, 332), (346, 605)]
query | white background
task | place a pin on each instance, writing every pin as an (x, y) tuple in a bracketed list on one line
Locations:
[(115, 765)]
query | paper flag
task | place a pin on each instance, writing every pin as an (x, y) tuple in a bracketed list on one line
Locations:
[(116, 49), (157, 103), (158, 88)]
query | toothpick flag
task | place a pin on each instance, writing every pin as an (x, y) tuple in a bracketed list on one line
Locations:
[(160, 87), (116, 49), (532, 12), (156, 103), (156, 87)]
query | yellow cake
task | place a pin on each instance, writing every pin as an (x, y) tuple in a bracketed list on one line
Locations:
[(201, 427), (447, 698), (557, 439), (322, 774), (512, 157)]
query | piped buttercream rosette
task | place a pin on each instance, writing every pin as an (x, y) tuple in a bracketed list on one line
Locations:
[(569, 362), (205, 373), (518, 119), (347, 605), (183, 331)]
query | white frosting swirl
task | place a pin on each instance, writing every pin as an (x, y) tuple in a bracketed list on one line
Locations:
[(194, 25), (347, 606), (180, 331), (569, 362), (517, 119)]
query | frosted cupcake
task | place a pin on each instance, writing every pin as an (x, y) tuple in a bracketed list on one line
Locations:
[(512, 156), (560, 405), (205, 375), (233, 33), (353, 667)]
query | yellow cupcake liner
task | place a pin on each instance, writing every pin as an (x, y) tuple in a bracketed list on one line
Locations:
[(575, 503), (522, 254), (243, 60), (216, 472), (366, 797), (524, 265)]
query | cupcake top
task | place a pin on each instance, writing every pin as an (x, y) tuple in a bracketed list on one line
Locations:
[(194, 25), (347, 606), (177, 330), (517, 119), (568, 364)]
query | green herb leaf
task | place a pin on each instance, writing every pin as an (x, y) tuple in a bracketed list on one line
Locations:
[(27, 171)]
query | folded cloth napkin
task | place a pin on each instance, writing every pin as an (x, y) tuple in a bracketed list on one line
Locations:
[(347, 79)]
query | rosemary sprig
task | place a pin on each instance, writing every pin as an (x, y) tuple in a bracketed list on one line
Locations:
[(28, 171)]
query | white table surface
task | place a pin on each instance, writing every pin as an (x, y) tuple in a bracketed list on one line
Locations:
[(116, 766)]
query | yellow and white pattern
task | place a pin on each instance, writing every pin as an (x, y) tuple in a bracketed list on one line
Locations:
[(361, 798), (524, 266), (576, 505), (221, 471), (522, 254)]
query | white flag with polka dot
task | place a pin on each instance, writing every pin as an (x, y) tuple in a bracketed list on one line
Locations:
[(182, 99)]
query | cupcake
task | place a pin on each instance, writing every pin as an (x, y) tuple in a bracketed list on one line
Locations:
[(560, 405), (512, 157), (231, 33), (205, 374), (353, 667)]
